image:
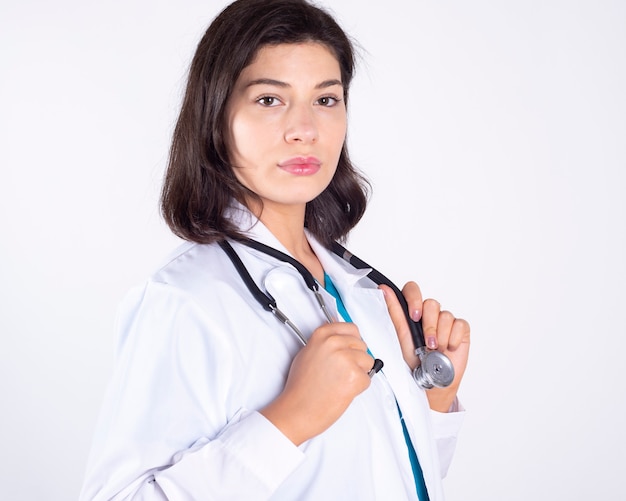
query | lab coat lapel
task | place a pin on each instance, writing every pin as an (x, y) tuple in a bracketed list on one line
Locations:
[(294, 299), (368, 309), (283, 282), (366, 305)]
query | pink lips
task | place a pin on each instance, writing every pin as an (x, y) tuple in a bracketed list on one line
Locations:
[(301, 166)]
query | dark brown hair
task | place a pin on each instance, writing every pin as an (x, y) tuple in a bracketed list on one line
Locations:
[(200, 183)]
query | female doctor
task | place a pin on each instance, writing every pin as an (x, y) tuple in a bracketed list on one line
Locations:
[(212, 396)]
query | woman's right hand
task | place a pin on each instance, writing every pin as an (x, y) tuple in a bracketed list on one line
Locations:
[(324, 378)]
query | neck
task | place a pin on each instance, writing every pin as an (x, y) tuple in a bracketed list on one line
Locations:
[(287, 225)]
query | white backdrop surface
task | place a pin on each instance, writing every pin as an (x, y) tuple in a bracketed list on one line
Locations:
[(494, 134)]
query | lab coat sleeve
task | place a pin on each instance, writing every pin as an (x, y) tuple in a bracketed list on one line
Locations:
[(446, 428), (168, 429), (248, 460)]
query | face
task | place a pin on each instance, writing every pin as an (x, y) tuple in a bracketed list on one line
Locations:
[(287, 124)]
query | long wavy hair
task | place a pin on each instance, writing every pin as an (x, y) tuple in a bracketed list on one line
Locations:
[(199, 183)]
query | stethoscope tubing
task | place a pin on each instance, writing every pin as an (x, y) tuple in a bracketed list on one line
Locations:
[(435, 369), (269, 303), (264, 299), (417, 332)]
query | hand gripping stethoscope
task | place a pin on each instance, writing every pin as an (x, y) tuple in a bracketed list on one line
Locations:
[(435, 369)]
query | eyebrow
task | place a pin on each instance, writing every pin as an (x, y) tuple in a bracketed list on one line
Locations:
[(278, 83)]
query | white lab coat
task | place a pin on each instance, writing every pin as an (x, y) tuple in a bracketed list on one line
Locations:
[(198, 356)]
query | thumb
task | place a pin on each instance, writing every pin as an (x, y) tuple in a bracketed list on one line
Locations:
[(398, 318)]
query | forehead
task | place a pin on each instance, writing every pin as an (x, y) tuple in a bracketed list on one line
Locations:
[(284, 57)]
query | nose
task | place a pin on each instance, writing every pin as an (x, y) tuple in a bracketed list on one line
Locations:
[(301, 125)]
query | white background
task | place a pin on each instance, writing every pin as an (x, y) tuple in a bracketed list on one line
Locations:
[(494, 133)]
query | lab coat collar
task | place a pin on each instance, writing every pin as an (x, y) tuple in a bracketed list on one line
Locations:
[(376, 328), (251, 226), (341, 273)]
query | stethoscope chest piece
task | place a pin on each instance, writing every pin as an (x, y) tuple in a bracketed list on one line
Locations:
[(435, 369)]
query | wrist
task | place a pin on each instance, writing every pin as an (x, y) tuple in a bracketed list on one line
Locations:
[(443, 399), (285, 421)]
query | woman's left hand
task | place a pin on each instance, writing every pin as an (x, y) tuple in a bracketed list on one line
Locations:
[(442, 331)]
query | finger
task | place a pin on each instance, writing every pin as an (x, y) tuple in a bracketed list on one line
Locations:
[(430, 320), (396, 312), (336, 341), (343, 328), (444, 329), (345, 342), (413, 296), (365, 362), (357, 365), (459, 333), (340, 336), (398, 318)]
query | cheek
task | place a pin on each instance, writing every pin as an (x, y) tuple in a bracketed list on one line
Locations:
[(339, 138), (339, 128), (250, 139), (230, 141), (236, 139)]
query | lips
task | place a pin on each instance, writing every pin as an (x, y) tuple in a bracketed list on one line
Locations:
[(301, 166)]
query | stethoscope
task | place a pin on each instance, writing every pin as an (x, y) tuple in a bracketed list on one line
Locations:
[(435, 369)]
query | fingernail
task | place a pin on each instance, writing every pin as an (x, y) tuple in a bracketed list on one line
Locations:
[(431, 342), (416, 315)]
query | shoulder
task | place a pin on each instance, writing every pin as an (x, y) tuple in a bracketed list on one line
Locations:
[(188, 296), (204, 274), (193, 281), (192, 266)]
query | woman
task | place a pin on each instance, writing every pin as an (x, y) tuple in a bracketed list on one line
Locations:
[(212, 398)]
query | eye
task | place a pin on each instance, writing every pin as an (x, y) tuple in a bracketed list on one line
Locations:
[(328, 101), (268, 101)]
